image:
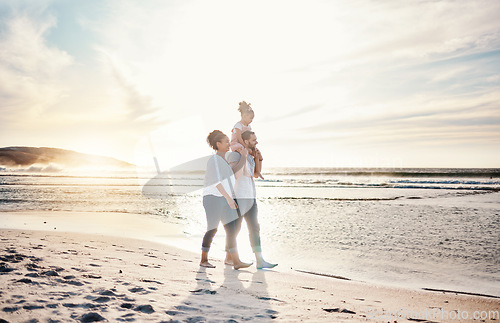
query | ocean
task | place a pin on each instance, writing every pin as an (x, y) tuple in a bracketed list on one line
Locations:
[(415, 228)]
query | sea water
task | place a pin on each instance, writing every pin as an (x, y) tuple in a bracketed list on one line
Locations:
[(418, 228)]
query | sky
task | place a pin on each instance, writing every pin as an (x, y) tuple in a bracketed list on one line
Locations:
[(346, 83)]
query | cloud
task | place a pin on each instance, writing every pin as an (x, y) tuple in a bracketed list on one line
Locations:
[(47, 92), (138, 107), (316, 72), (455, 121), (30, 70)]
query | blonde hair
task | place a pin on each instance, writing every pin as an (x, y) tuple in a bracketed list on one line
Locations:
[(245, 108)]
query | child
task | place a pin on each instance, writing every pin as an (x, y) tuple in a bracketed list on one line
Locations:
[(240, 127)]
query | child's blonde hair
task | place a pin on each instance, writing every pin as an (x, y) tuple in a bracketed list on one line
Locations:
[(245, 108)]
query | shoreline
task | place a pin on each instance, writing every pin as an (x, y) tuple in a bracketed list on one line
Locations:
[(84, 277), (437, 290), (152, 229), (105, 274)]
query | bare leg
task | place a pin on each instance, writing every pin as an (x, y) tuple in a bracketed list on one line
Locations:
[(204, 260), (229, 259), (232, 229), (261, 263), (237, 263), (258, 164)]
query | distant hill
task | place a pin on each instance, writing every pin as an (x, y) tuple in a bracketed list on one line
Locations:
[(28, 156)]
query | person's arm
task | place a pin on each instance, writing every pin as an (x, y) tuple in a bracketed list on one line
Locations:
[(228, 198), (237, 165), (213, 177)]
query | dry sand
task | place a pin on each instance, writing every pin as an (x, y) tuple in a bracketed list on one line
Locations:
[(49, 276)]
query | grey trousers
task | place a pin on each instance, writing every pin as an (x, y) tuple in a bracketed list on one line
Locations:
[(216, 210)]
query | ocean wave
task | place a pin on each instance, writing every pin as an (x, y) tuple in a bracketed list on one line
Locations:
[(335, 198), (8, 201), (464, 182), (390, 172), (460, 188)]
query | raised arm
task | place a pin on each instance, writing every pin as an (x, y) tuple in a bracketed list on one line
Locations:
[(238, 164)]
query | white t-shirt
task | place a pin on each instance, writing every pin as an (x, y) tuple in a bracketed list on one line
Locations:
[(218, 172), (245, 186)]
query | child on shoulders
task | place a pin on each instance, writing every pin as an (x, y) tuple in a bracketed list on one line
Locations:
[(240, 127)]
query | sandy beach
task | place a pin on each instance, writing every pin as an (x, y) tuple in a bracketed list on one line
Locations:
[(51, 275)]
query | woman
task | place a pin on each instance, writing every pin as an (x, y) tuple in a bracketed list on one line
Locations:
[(218, 200)]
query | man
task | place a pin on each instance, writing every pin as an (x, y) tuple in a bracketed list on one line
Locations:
[(245, 171)]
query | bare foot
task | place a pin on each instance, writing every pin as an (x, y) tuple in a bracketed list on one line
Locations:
[(265, 264), (228, 261), (258, 175), (206, 264), (242, 265)]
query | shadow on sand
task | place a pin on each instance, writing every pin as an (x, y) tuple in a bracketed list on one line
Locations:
[(242, 296)]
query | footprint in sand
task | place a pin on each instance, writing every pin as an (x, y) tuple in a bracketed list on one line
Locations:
[(70, 282), (91, 317), (102, 299), (32, 267), (33, 307), (148, 309), (128, 299), (205, 280), (203, 291), (127, 317), (269, 299), (92, 276), (186, 308), (138, 290), (4, 268), (13, 258), (338, 310), (20, 302), (10, 309), (57, 268), (51, 273), (194, 319), (109, 292), (26, 281), (151, 281)]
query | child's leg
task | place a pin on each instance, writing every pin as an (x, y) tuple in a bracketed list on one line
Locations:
[(236, 147), (259, 154), (258, 167), (258, 163)]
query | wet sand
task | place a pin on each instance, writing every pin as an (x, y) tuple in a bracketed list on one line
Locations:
[(49, 276)]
